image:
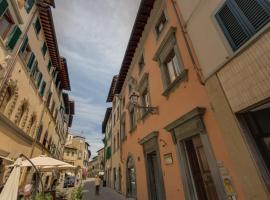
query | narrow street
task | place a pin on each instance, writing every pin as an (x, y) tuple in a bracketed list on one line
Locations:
[(106, 193)]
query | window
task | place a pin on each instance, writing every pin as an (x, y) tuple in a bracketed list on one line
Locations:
[(241, 19), (53, 106), (31, 61), (145, 98), (141, 64), (37, 26), (39, 79), (42, 89), (44, 49), (131, 178), (49, 99), (160, 24), (44, 142), (67, 153), (34, 71), (132, 118), (28, 5), (6, 24), (49, 66), (123, 129), (172, 67), (3, 7), (256, 122)]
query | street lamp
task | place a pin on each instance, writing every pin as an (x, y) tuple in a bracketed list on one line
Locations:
[(134, 101)]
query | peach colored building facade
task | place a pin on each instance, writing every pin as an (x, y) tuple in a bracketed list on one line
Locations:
[(171, 144)]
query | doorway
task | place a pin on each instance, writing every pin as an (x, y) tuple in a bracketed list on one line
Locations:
[(199, 170), (153, 176)]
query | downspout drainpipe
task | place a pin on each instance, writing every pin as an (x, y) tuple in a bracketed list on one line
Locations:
[(188, 43)]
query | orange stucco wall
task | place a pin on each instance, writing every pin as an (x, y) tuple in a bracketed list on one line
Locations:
[(182, 99)]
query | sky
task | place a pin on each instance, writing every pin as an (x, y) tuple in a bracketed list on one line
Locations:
[(92, 35)]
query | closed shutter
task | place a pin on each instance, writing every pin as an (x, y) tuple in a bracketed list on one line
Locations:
[(3, 7), (24, 45), (42, 89), (39, 79), (49, 66), (37, 26), (14, 37), (44, 49), (241, 19), (256, 12), (28, 5), (31, 61)]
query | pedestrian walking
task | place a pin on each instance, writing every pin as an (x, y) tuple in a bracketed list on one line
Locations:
[(97, 184)]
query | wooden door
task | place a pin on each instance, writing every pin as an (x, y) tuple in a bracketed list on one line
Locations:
[(201, 173)]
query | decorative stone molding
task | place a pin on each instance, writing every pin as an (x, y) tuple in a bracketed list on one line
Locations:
[(19, 116)]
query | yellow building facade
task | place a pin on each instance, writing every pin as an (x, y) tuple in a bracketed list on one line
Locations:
[(35, 111)]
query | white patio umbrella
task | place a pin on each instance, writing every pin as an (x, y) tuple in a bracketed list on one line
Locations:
[(43, 161), (10, 190), (60, 167)]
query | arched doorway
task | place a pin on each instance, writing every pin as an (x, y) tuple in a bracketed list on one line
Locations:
[(131, 177)]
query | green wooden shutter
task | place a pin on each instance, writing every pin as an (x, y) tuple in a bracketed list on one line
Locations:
[(3, 7), (49, 66), (37, 26), (44, 49), (42, 89), (34, 70), (24, 45), (28, 5), (39, 79), (108, 153), (13, 37), (31, 61)]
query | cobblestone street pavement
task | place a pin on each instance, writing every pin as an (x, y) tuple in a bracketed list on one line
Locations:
[(105, 192)]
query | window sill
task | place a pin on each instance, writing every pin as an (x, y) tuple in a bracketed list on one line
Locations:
[(132, 129), (182, 77)]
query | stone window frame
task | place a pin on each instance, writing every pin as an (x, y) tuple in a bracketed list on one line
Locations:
[(189, 125), (132, 126), (168, 44), (141, 63), (142, 86), (161, 12), (123, 134)]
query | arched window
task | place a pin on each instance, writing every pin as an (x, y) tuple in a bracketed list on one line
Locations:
[(22, 110), (39, 132), (131, 178), (44, 142), (32, 124), (6, 99), (8, 93)]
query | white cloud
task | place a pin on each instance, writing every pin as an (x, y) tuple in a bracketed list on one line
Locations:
[(93, 36)]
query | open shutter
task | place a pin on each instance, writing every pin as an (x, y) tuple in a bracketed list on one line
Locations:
[(232, 27), (42, 89), (3, 7), (31, 61), (34, 70), (14, 37), (28, 5), (256, 12), (24, 45), (39, 79)]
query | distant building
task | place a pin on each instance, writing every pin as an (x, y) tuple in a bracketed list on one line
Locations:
[(96, 165), (116, 175), (35, 112), (107, 130), (77, 153)]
